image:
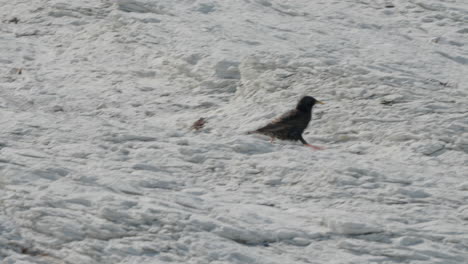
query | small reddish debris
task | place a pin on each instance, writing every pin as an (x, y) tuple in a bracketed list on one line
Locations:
[(199, 124)]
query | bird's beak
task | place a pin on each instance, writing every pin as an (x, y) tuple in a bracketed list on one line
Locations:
[(320, 102)]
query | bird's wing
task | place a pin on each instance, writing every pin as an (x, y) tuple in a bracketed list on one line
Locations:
[(288, 119)]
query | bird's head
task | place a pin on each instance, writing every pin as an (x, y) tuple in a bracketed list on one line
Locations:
[(306, 103)]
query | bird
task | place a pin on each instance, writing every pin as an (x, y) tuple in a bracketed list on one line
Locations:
[(291, 124)]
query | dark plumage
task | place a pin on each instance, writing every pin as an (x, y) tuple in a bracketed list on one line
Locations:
[(292, 124)]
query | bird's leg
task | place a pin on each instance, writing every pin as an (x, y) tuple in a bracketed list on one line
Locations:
[(309, 145), (315, 147), (272, 140)]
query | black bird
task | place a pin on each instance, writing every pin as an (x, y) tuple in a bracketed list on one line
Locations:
[(290, 125)]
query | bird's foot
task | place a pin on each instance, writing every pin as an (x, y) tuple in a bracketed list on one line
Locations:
[(315, 147), (272, 140)]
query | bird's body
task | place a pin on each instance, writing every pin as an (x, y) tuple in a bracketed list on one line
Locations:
[(292, 124), (289, 126)]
